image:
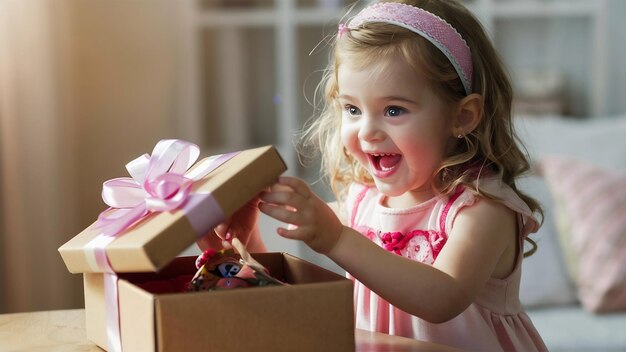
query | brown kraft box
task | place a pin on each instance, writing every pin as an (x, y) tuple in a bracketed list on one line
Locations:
[(313, 313)]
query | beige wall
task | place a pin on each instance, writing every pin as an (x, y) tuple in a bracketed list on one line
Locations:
[(121, 66), (85, 86)]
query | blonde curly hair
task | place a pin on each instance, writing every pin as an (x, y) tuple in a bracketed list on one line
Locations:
[(492, 148)]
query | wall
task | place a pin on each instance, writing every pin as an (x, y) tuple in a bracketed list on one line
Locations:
[(87, 86), (122, 73), (617, 57)]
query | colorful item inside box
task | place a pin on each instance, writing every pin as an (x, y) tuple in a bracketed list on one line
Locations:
[(223, 270), (216, 271)]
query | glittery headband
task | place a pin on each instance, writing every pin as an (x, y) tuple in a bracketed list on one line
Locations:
[(428, 25)]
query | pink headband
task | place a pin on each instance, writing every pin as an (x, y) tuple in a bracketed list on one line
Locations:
[(430, 26)]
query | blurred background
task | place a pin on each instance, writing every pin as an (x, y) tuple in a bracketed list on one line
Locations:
[(88, 85)]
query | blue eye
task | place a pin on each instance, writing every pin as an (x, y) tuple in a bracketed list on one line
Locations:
[(394, 111), (352, 110)]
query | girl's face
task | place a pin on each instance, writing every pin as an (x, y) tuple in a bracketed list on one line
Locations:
[(395, 126)]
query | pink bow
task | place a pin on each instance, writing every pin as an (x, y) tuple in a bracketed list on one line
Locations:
[(159, 183), (341, 30)]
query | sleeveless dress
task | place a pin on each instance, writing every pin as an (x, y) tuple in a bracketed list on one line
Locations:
[(495, 321)]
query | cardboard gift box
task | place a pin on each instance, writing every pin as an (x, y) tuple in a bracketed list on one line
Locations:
[(313, 313)]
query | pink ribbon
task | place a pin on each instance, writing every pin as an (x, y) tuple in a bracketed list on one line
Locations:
[(159, 182), (341, 30)]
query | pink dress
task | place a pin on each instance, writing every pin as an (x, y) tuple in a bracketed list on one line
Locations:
[(495, 321)]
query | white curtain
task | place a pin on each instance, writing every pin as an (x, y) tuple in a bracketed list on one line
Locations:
[(37, 201), (85, 86)]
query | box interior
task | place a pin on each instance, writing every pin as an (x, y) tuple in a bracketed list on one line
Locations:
[(172, 278)]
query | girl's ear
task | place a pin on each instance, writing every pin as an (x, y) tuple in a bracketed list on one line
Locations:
[(468, 115)]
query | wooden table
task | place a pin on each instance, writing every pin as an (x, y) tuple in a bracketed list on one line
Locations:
[(64, 330)]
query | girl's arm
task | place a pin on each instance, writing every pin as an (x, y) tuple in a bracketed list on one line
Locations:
[(440, 292), (334, 206), (481, 244)]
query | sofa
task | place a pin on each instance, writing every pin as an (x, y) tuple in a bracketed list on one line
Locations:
[(574, 286)]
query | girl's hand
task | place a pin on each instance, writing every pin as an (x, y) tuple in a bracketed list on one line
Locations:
[(310, 219), (242, 224)]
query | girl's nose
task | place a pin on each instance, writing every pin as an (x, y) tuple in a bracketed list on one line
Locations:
[(369, 130)]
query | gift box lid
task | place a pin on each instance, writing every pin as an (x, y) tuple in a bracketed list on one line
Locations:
[(157, 238)]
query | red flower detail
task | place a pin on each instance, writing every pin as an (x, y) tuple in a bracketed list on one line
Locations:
[(396, 241)]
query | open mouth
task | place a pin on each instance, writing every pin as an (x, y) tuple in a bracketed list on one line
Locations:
[(385, 162)]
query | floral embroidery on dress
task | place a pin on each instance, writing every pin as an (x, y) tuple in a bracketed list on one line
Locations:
[(420, 245)]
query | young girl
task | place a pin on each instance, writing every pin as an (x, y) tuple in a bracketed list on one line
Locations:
[(416, 138)]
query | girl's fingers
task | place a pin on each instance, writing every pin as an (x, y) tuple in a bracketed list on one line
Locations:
[(212, 240), (290, 199), (277, 187), (280, 213), (222, 230), (297, 185), (293, 234)]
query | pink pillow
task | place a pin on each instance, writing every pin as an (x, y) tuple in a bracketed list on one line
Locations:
[(591, 221)]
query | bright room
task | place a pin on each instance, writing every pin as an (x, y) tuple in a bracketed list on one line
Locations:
[(86, 86)]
